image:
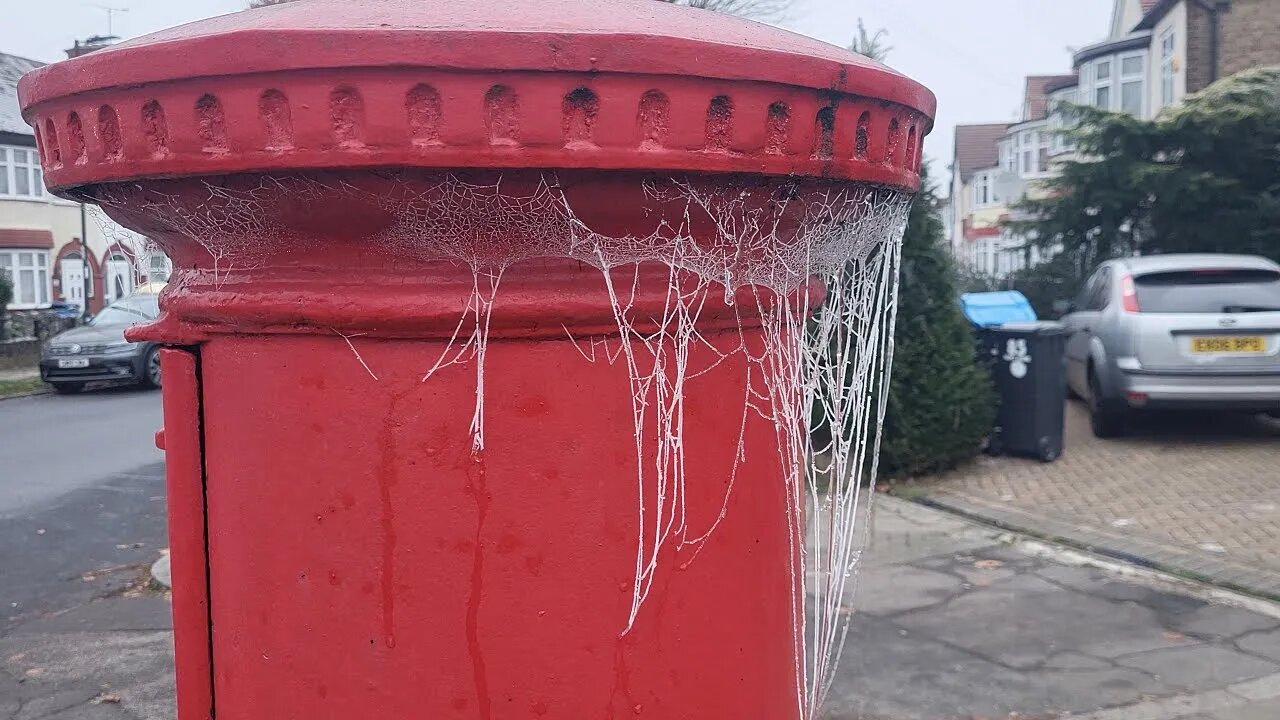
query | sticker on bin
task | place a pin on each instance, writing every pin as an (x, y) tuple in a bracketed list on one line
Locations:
[(1015, 353)]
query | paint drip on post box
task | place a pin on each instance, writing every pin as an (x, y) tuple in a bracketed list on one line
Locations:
[(673, 233)]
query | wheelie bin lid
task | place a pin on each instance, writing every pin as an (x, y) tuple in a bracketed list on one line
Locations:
[(1034, 327), (987, 309)]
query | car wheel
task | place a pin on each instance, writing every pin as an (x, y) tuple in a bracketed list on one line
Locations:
[(151, 369), (68, 388), (1105, 420)]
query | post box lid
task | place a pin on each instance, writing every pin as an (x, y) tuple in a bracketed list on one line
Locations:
[(320, 83)]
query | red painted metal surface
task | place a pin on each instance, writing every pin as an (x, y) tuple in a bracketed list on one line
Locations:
[(184, 476), (366, 563), (363, 561), (643, 86)]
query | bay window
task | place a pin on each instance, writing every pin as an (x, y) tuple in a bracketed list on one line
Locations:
[(28, 270), (20, 173), (1132, 84), (1167, 48), (1102, 84)]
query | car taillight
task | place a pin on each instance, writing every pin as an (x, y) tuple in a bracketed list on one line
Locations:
[(1128, 295)]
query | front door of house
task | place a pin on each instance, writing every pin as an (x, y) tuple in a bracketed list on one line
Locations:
[(119, 277), (73, 280)]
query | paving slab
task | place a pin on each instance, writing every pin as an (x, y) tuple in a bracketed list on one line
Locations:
[(1193, 494)]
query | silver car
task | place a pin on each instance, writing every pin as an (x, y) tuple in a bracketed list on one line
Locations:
[(1176, 331)]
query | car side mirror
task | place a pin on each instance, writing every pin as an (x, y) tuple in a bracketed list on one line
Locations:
[(1062, 307)]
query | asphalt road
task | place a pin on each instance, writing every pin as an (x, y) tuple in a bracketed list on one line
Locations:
[(82, 505), (51, 445)]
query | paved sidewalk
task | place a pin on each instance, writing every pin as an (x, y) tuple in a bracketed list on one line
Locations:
[(954, 621), (1194, 494)]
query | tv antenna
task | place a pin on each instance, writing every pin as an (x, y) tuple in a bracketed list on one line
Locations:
[(111, 14)]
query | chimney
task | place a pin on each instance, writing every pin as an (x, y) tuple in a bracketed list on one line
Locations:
[(97, 42)]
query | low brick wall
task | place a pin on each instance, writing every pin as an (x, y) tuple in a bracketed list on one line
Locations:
[(19, 354)]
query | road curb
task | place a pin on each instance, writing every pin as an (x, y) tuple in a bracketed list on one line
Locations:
[(161, 573), (33, 393), (1135, 551)]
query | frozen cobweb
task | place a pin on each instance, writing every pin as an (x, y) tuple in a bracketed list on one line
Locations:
[(813, 264), (138, 253)]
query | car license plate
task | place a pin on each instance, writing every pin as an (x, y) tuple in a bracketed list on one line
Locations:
[(1229, 344), (73, 363)]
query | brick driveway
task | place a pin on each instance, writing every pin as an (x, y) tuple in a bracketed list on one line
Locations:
[(1197, 494)]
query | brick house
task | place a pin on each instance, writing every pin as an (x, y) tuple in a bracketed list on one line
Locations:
[(1155, 53), (40, 247)]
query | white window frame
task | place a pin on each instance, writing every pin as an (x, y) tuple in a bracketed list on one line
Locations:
[(165, 266), (1139, 77), (1168, 50), (982, 190), (1107, 83), (11, 168), (35, 272)]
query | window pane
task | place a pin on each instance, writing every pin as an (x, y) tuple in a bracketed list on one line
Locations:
[(1026, 162), (1213, 291), (4, 179), (1044, 160), (26, 259), (42, 279), (38, 183), (6, 261), (1104, 70), (1102, 98), (20, 156), (26, 290), (21, 181), (4, 154), (1131, 97), (42, 260), (1131, 65)]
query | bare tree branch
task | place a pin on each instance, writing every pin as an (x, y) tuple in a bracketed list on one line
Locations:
[(870, 44)]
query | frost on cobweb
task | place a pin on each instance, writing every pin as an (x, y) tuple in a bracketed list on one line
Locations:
[(136, 250), (809, 269)]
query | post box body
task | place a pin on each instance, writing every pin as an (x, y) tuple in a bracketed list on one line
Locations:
[(365, 561), (410, 471)]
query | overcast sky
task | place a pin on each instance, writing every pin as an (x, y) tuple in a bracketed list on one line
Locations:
[(972, 53)]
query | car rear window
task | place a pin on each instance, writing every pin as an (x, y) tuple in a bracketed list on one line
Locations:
[(1209, 291)]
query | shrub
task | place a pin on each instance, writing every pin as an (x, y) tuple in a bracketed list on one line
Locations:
[(941, 403)]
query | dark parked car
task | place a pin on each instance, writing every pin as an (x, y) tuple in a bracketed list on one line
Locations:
[(98, 351)]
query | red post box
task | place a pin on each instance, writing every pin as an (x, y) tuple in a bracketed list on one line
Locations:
[(484, 390)]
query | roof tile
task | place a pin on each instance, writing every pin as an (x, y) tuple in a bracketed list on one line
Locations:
[(13, 67), (976, 147)]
